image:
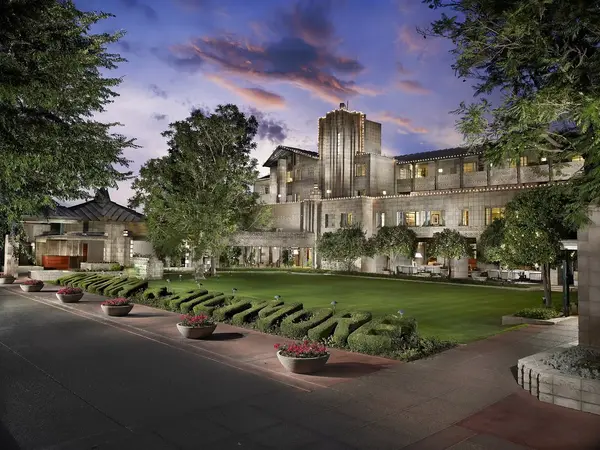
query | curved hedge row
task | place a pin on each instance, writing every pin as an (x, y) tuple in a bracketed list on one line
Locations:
[(104, 284)]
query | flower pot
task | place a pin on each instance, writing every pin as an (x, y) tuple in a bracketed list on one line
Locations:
[(69, 298), (31, 287), (7, 280), (196, 332), (116, 310), (303, 365)]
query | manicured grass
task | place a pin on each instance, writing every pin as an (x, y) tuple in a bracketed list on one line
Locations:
[(456, 312)]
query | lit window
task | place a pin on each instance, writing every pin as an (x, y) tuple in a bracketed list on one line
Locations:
[(464, 218), (469, 167), (577, 158), (422, 171), (288, 176), (399, 218), (523, 161), (361, 170), (410, 219), (380, 219), (404, 173), (345, 219), (435, 218), (492, 214)]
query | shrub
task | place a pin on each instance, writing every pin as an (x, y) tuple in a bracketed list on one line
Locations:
[(208, 306), (271, 316), (96, 286), (116, 302), (421, 347), (188, 306), (116, 267), (32, 282), (86, 281), (62, 281), (380, 336), (538, 313), (296, 325), (116, 285), (156, 292), (339, 327), (176, 301), (251, 314), (305, 349), (196, 321), (69, 291), (225, 312), (131, 288)]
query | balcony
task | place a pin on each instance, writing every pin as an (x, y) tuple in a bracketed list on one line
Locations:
[(448, 181), (475, 179), (535, 174)]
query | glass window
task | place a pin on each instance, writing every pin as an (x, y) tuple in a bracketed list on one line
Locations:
[(410, 219), (404, 173), (422, 171), (288, 176), (464, 218), (328, 220), (577, 158), (361, 170), (298, 174), (345, 219), (492, 214), (435, 218), (469, 167), (523, 161), (380, 219), (267, 189), (399, 218)]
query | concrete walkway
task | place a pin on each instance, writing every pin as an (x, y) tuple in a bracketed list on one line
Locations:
[(72, 380)]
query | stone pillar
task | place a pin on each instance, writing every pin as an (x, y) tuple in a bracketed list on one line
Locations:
[(281, 180), (588, 259), (303, 258), (367, 264), (460, 268), (273, 184), (10, 263)]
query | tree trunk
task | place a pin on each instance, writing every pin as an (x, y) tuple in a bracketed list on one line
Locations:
[(213, 265), (198, 269), (546, 284), (449, 268)]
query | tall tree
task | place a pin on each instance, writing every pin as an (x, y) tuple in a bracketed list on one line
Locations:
[(395, 241), (450, 245), (199, 194), (489, 244), (541, 59), (344, 245), (52, 86)]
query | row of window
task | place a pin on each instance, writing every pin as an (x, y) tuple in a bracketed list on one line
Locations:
[(418, 218)]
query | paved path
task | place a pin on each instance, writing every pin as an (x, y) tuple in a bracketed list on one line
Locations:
[(69, 381)]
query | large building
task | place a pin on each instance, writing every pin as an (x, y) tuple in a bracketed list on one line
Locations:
[(349, 181)]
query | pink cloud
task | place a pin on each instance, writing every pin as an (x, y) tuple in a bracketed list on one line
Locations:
[(405, 125), (411, 41), (256, 96), (412, 87)]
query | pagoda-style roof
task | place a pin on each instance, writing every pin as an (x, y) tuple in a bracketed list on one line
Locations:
[(447, 153), (283, 150), (100, 209)]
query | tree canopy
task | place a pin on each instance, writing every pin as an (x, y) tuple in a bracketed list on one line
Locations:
[(51, 87), (541, 59), (199, 194), (490, 243), (344, 245), (395, 241), (450, 245)]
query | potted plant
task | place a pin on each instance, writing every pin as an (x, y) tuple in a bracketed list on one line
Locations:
[(32, 285), (69, 294), (6, 278), (117, 307), (302, 357), (196, 326)]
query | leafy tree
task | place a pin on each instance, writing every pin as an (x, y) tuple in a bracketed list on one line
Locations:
[(535, 223), (489, 245), (394, 241), (51, 88), (541, 59), (449, 244), (345, 245), (200, 192)]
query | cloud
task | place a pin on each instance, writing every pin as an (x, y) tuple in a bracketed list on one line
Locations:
[(257, 96), (412, 87), (158, 92), (159, 117), (413, 42), (402, 70), (147, 10), (405, 125), (275, 131), (303, 55), (444, 136)]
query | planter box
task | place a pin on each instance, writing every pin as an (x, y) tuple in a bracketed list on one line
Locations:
[(514, 320), (196, 333), (302, 365), (69, 298), (31, 287), (7, 280), (116, 310), (478, 278)]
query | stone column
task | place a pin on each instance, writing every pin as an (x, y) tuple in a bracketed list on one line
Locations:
[(281, 180), (588, 259), (302, 251), (10, 263)]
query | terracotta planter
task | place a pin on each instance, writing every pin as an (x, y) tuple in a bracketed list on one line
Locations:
[(196, 333), (7, 280), (32, 287), (303, 365), (117, 311), (69, 298)]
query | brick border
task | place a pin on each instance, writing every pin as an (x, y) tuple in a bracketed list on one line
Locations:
[(552, 386)]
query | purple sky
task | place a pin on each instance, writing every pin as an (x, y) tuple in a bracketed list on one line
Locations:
[(291, 60)]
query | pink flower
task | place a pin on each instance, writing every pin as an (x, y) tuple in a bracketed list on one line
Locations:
[(121, 301), (69, 291)]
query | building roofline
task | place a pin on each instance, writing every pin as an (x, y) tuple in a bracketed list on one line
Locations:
[(434, 155), (281, 149)]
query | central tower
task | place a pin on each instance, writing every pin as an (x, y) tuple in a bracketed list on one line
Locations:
[(344, 134)]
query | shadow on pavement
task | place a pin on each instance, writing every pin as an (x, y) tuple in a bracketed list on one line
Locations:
[(348, 369), (225, 336), (514, 371), (7, 441)]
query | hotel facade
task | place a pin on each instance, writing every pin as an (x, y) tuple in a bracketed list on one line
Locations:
[(348, 181)]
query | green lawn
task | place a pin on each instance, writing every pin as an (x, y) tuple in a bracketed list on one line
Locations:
[(457, 312)]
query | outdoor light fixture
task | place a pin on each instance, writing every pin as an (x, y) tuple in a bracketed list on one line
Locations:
[(279, 195), (440, 170), (384, 192), (125, 233), (328, 191), (418, 255), (544, 159)]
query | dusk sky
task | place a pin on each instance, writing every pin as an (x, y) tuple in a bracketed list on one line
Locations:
[(289, 61)]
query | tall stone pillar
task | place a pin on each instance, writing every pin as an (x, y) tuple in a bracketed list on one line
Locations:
[(367, 264), (588, 260), (282, 180), (10, 263)]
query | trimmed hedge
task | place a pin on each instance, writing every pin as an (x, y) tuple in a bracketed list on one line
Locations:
[(176, 300), (339, 327), (62, 281), (188, 306), (271, 316), (98, 286), (379, 336), (115, 287), (538, 313), (208, 306), (250, 315), (226, 312), (296, 325), (157, 292), (84, 282), (131, 288)]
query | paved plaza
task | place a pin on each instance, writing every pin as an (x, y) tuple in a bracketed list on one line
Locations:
[(73, 379)]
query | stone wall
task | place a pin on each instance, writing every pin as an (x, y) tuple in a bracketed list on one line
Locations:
[(148, 268)]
